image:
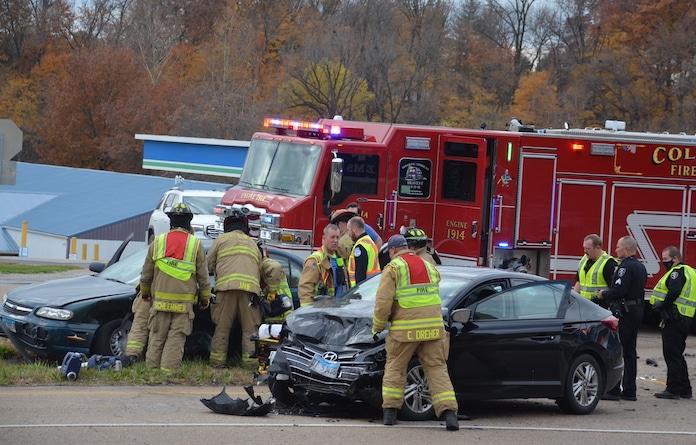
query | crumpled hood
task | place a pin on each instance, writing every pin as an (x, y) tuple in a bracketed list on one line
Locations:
[(334, 322), (60, 292)]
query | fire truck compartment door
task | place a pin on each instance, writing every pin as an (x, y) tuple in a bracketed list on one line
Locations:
[(536, 200)]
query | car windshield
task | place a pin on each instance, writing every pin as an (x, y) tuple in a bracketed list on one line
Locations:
[(128, 269), (280, 167), (202, 205), (367, 290)]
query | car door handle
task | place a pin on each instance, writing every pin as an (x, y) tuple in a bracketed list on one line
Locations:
[(543, 337)]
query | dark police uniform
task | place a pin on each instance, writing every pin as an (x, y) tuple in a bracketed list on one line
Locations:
[(626, 298)]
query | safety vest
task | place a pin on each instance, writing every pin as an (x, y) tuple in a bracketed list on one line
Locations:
[(372, 259), (592, 281), (686, 301), (179, 269), (417, 286), (319, 256)]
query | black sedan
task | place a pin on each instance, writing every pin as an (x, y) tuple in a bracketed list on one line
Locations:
[(512, 336), (86, 314)]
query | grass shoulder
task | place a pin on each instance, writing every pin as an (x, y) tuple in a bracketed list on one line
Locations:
[(17, 268), (14, 372)]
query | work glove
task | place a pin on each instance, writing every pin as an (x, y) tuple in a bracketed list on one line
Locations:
[(657, 307), (203, 304), (375, 335)]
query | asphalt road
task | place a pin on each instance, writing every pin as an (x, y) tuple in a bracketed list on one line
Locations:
[(173, 414)]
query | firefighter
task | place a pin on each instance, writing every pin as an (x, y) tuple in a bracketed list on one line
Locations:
[(174, 277), (417, 241), (324, 271), (137, 336), (674, 298), (595, 269), (625, 299), (408, 297), (345, 242), (276, 291), (235, 259), (364, 261)]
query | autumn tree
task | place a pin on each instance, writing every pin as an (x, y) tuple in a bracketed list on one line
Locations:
[(90, 116), (327, 89)]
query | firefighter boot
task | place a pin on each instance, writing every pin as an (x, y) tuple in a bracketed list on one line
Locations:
[(451, 420), (390, 416)]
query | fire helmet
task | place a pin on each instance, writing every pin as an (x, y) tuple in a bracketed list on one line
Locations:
[(180, 210), (413, 234)]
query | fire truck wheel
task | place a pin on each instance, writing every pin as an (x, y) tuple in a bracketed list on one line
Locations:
[(582, 386), (108, 339), (281, 391), (418, 405)]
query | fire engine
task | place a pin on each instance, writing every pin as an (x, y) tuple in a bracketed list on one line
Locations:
[(483, 196)]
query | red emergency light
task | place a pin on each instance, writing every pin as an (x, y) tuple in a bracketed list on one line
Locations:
[(313, 129)]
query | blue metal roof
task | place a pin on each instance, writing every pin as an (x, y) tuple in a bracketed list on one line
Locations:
[(70, 201)]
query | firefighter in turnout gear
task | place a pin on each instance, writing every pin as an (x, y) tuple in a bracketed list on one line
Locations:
[(174, 277), (324, 271), (595, 269), (364, 258), (408, 297), (417, 241), (235, 259), (674, 298)]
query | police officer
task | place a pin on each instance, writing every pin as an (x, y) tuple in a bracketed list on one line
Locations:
[(417, 241), (364, 261), (595, 269), (625, 299), (674, 298), (174, 277), (355, 208), (408, 297), (235, 259), (324, 271)]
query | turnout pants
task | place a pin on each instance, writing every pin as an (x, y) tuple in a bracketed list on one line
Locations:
[(137, 337), (228, 306), (168, 332), (433, 356)]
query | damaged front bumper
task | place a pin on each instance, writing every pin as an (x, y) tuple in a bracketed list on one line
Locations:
[(358, 375)]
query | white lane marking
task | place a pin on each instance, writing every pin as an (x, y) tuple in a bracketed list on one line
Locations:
[(342, 425)]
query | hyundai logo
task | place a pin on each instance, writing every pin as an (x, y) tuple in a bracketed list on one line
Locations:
[(331, 356)]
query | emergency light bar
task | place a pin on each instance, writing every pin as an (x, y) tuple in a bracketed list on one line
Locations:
[(313, 129)]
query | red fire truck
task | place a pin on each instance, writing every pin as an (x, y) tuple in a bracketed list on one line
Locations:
[(483, 196)]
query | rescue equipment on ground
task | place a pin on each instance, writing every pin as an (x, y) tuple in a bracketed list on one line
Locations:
[(73, 362)]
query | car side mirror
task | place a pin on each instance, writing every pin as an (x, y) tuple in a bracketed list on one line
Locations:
[(461, 316), (97, 266)]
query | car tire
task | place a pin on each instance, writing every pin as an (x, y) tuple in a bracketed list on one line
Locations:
[(282, 392), (108, 339), (418, 404), (583, 387)]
